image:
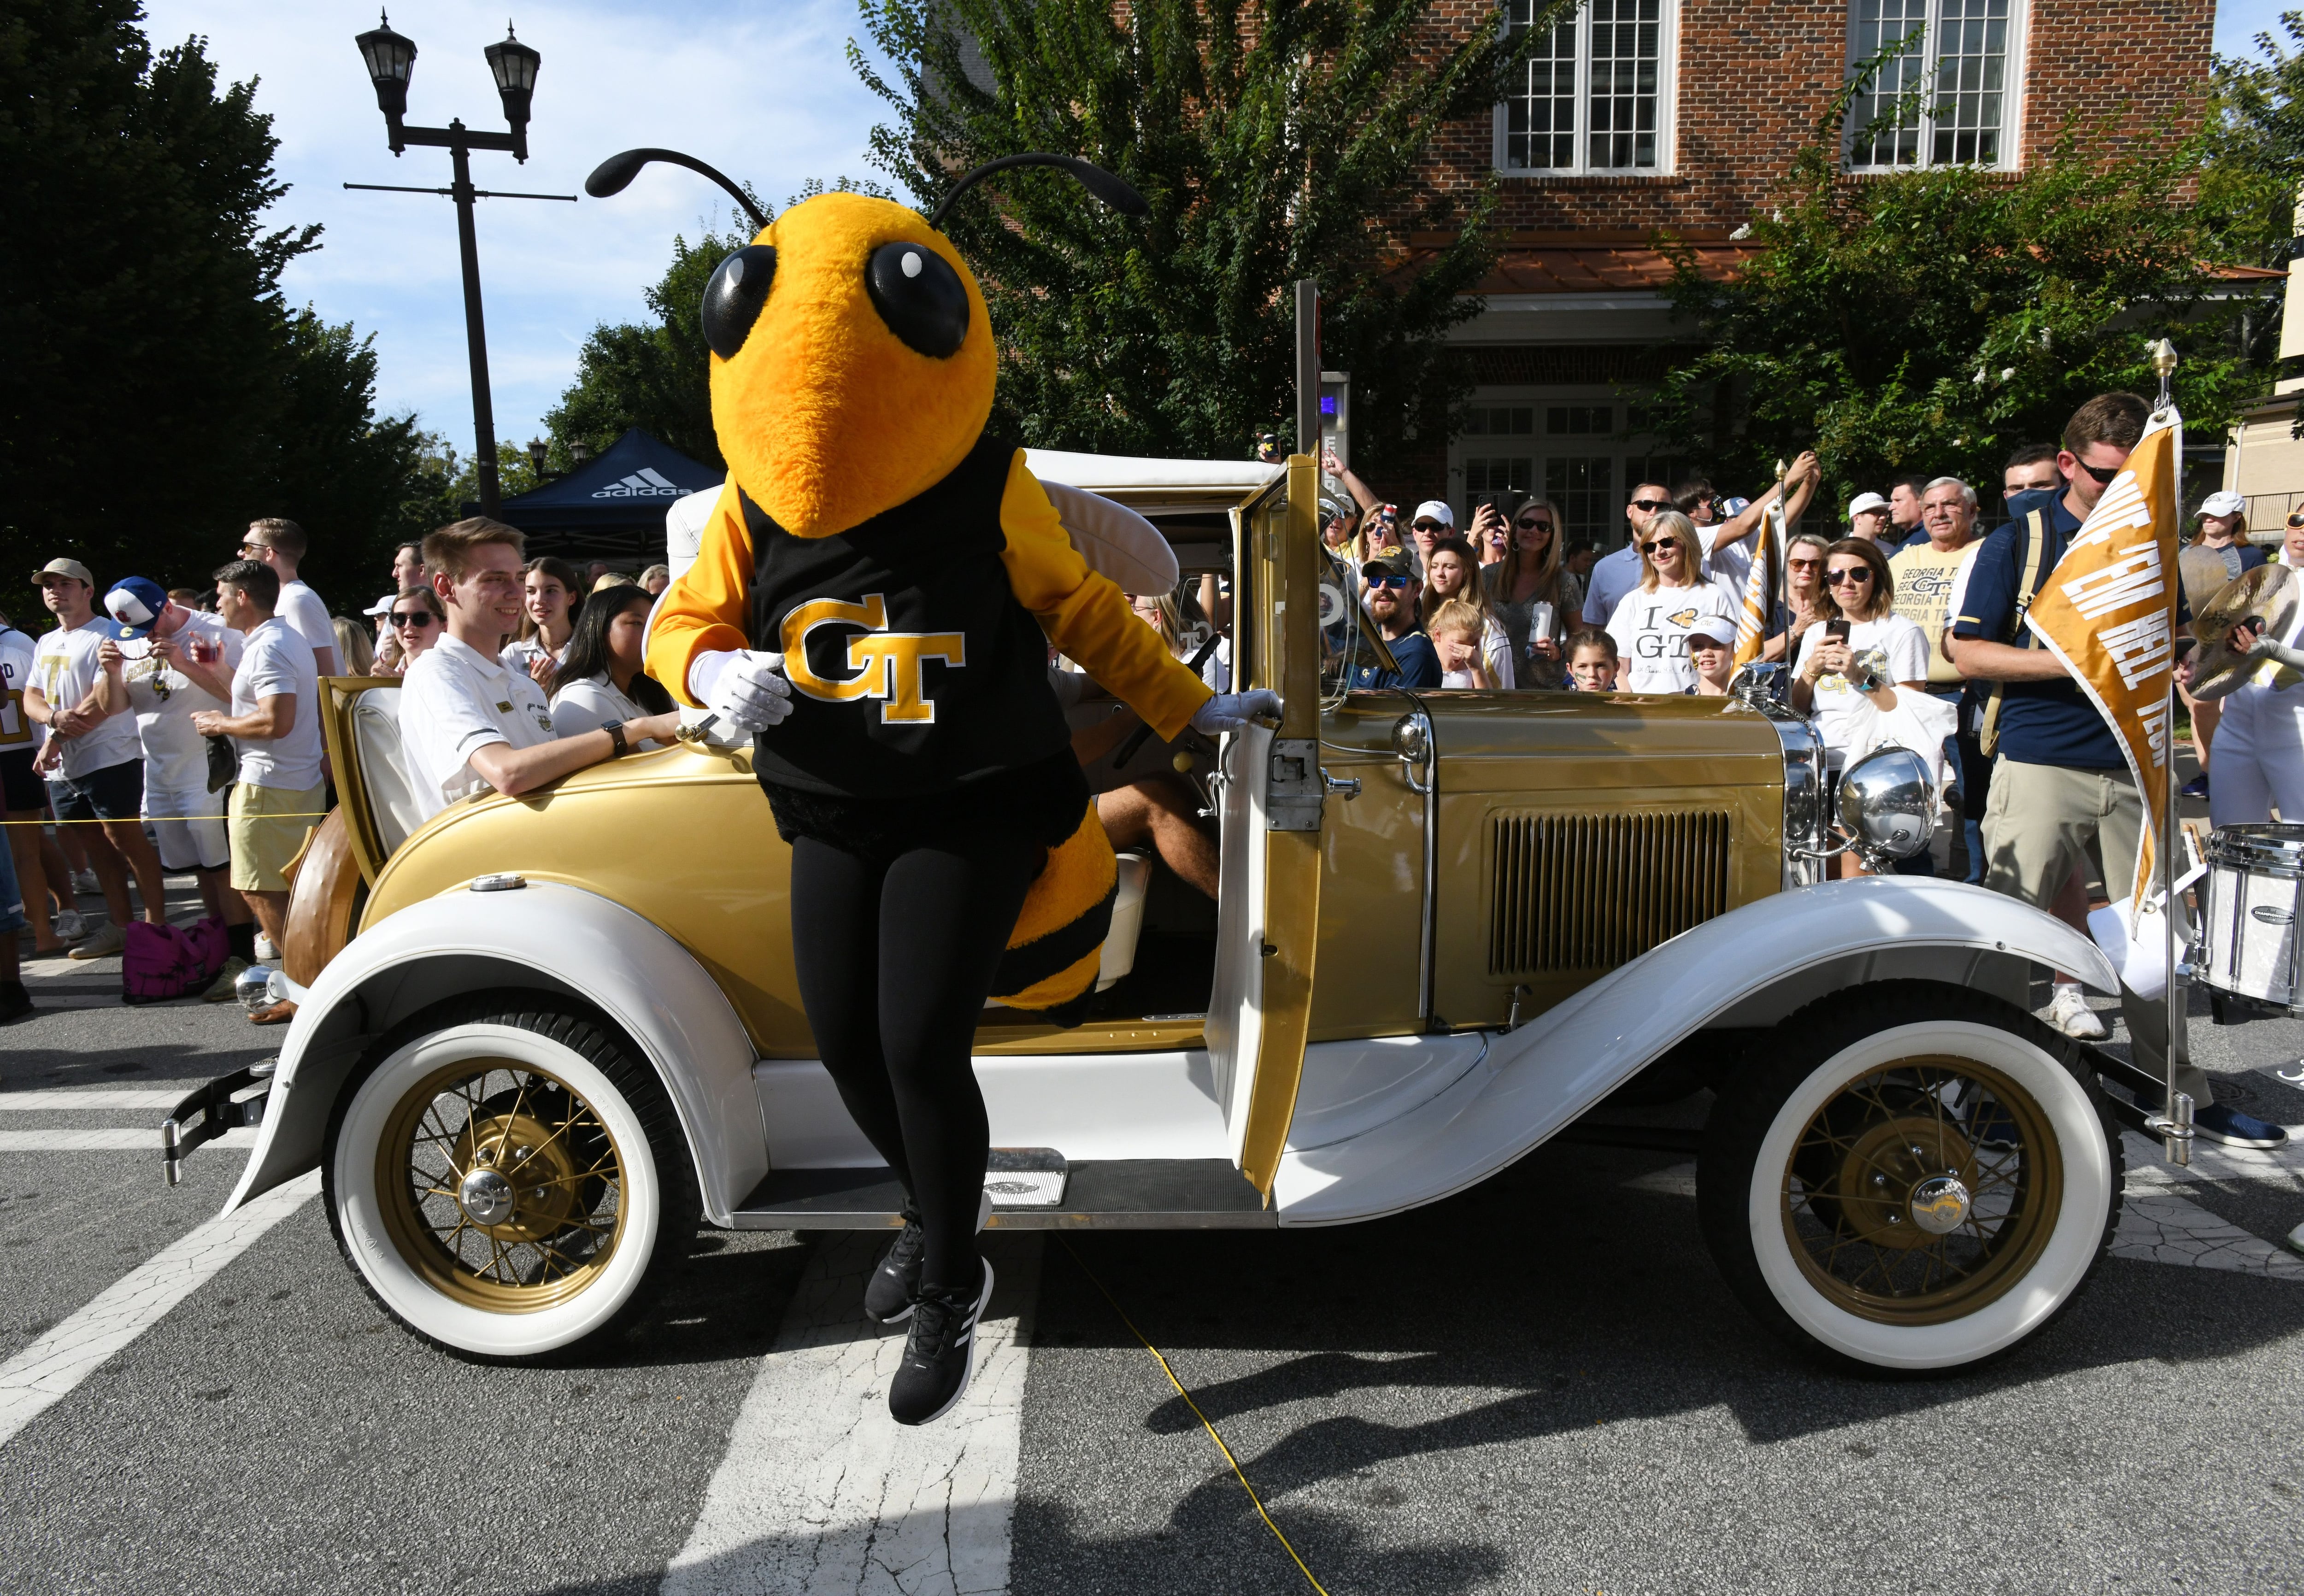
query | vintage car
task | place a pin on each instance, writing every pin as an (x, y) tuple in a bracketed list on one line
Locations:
[(542, 1038)]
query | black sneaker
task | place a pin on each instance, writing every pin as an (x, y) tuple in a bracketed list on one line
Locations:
[(940, 1353), (888, 1294)]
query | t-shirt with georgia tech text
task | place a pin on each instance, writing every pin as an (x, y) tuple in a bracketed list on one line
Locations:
[(20, 733), (1650, 627), (1925, 574), (64, 668)]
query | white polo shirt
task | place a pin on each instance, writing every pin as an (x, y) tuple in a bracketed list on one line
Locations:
[(306, 615), (454, 700)]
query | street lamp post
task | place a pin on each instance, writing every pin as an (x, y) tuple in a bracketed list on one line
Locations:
[(390, 59)]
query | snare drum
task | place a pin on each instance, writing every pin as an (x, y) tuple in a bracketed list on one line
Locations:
[(2254, 897)]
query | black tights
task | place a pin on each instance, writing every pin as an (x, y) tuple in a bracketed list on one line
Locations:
[(894, 960)]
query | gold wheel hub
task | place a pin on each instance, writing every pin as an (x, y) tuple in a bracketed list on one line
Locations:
[(1923, 1191), (500, 1185)]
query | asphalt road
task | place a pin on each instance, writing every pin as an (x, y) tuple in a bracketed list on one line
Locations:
[(1540, 1386)]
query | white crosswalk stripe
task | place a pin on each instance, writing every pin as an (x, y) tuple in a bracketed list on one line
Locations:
[(111, 1098), (820, 1491), (131, 1138)]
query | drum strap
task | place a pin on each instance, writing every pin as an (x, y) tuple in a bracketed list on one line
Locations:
[(1987, 729)]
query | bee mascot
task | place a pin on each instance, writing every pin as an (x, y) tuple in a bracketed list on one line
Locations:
[(873, 604)]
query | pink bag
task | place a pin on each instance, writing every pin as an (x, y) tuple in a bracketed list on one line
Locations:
[(159, 962)]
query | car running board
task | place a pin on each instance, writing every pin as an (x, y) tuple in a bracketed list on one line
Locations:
[(1027, 1194)]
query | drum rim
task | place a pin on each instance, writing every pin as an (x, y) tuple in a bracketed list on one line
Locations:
[(2266, 847)]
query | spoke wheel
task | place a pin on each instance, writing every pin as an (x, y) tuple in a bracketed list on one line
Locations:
[(501, 1185), (507, 1177), (1916, 1178)]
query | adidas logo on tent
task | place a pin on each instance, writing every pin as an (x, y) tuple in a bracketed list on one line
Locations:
[(646, 483)]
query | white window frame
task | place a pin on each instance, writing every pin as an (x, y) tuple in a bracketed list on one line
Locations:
[(1543, 447), (1667, 108), (2012, 94)]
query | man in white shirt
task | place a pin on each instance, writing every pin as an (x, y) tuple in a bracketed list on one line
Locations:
[(23, 796), (1619, 574), (169, 664), (468, 722), (281, 545), (275, 727), (1727, 534), (97, 772)]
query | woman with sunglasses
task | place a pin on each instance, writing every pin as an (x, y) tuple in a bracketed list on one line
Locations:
[(1651, 623), (1533, 595), (1859, 604), (412, 625), (1452, 573)]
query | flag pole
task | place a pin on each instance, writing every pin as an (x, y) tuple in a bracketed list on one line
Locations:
[(2176, 1135)]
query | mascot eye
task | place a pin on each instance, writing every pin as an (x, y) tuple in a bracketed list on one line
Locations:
[(919, 297), (733, 298)]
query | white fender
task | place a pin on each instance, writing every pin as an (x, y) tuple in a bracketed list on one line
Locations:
[(542, 935), (1750, 966)]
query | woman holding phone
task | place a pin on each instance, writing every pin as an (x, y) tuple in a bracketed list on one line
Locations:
[(1535, 598), (1858, 607)]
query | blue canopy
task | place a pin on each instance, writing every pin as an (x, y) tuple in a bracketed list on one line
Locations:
[(610, 508)]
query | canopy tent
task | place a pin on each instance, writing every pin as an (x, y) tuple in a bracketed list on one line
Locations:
[(611, 507)]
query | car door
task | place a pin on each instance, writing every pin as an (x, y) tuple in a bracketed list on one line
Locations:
[(1268, 898)]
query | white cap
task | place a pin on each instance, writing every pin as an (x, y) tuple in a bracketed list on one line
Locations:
[(382, 606), (1863, 502), (1433, 509), (2223, 501), (1718, 628)]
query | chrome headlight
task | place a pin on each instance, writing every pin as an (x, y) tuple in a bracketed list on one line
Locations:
[(1887, 806)]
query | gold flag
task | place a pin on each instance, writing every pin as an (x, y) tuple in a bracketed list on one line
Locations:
[(2108, 611), (1752, 625)]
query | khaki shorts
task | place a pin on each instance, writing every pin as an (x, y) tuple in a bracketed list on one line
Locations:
[(2040, 819), (267, 830)]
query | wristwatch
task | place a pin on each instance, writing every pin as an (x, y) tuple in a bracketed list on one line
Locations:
[(615, 730)]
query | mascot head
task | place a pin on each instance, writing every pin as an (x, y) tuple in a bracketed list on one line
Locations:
[(853, 364)]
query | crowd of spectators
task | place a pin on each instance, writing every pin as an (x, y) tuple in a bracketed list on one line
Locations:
[(154, 731)]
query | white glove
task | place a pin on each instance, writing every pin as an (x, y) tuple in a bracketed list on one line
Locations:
[(1229, 711), (744, 687)]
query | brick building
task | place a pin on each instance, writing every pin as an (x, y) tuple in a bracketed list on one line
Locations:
[(1680, 115)]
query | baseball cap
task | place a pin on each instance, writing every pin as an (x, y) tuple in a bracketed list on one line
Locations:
[(1735, 506), (1386, 568), (135, 603), (382, 606), (1863, 502), (1718, 628), (2224, 502), (1433, 509), (63, 568)]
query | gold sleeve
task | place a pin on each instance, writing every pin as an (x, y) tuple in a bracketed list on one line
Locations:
[(707, 609), (1087, 615)]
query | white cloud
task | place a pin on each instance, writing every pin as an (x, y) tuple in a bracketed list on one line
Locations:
[(764, 92)]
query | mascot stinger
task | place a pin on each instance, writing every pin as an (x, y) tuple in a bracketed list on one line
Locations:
[(873, 605)]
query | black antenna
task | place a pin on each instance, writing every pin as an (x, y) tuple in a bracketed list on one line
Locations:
[(1113, 190), (612, 176)]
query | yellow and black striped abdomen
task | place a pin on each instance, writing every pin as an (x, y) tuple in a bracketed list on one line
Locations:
[(1058, 945)]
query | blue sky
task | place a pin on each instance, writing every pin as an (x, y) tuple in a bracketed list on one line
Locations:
[(761, 90)]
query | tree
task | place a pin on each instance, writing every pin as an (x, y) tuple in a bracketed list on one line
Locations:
[(1274, 139), (1933, 320), (654, 376), (157, 394)]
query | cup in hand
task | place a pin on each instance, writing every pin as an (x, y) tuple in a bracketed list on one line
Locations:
[(1539, 621)]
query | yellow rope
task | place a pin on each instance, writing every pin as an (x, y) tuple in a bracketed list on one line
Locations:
[(163, 819), (1197, 1413)]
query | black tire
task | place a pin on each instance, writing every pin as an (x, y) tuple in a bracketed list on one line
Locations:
[(2031, 1105), (390, 1235)]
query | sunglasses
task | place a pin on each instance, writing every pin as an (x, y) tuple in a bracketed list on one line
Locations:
[(1667, 544), (1387, 582), (419, 619), (2103, 474), (253, 549), (1429, 526), (1652, 505), (1533, 526), (1860, 574)]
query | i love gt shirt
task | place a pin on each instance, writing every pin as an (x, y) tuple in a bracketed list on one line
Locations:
[(1651, 627)]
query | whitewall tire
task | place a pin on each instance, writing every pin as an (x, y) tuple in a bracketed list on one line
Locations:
[(1919, 1179), (507, 1178)]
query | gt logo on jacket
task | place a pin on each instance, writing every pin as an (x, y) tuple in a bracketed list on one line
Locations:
[(889, 666)]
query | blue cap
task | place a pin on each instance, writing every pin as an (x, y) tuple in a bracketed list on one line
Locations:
[(135, 603)]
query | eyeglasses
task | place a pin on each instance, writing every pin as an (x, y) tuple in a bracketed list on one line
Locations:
[(1665, 544), (1859, 574), (1652, 505), (1805, 564), (2103, 474), (419, 619), (1387, 582), (253, 549)]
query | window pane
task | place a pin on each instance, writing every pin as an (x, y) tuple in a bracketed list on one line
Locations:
[(1540, 123), (1972, 58), (1627, 45), (1579, 420), (1583, 489), (1885, 123)]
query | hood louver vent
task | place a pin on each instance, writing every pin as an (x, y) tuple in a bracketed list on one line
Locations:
[(1590, 891)]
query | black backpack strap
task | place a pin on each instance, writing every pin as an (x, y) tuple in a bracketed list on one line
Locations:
[(1987, 731)]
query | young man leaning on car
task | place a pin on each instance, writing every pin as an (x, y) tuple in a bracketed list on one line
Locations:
[(467, 722)]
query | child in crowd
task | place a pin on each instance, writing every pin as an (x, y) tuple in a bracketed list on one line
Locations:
[(1456, 629), (1592, 663), (1712, 650)]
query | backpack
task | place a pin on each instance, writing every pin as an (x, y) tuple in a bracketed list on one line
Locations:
[(159, 962)]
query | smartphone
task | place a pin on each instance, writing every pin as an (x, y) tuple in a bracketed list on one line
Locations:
[(1836, 629)]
